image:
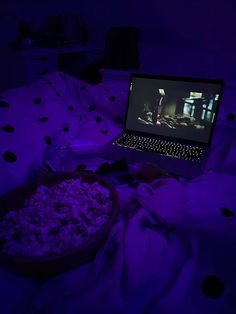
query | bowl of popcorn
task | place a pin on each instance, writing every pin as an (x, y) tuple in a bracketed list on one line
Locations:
[(56, 222)]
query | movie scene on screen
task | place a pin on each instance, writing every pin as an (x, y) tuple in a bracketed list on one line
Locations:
[(186, 112), (195, 109)]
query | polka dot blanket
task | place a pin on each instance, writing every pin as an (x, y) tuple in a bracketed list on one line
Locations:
[(172, 249)]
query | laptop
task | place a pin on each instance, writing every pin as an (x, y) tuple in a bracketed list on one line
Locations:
[(169, 121)]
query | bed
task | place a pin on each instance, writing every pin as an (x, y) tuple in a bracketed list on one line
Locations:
[(172, 249)]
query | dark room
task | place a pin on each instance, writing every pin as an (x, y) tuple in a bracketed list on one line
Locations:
[(117, 157)]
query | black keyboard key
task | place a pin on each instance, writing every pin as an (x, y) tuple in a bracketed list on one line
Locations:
[(162, 147)]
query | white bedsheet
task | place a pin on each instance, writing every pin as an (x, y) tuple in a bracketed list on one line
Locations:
[(173, 248)]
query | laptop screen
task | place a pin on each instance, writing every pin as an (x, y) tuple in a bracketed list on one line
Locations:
[(180, 108)]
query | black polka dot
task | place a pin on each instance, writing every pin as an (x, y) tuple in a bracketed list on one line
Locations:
[(62, 76), (80, 167), (48, 140), (99, 119), (226, 212), (71, 108), (8, 128), (212, 287), (2, 97), (119, 119), (43, 119), (9, 157), (48, 83), (106, 89), (112, 98), (4, 104), (66, 129), (80, 117), (83, 87), (91, 108), (104, 131), (230, 117), (58, 94), (209, 169), (170, 230), (37, 100)]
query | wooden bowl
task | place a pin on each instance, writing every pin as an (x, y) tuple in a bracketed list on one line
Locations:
[(44, 266)]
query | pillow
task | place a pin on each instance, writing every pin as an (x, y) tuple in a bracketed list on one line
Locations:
[(223, 152), (31, 119)]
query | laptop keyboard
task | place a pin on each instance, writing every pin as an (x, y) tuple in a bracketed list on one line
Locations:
[(162, 147)]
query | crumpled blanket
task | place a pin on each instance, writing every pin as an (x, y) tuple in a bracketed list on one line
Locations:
[(170, 252), (172, 249)]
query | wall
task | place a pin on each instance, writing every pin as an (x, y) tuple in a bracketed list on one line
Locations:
[(32, 10), (194, 37), (191, 37)]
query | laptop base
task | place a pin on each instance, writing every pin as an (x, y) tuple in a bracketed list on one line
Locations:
[(177, 167)]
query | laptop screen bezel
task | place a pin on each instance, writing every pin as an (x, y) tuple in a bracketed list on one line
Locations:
[(174, 78)]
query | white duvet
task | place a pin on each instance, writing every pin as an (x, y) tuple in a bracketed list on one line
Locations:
[(173, 248)]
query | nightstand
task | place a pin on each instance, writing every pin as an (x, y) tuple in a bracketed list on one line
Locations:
[(21, 67)]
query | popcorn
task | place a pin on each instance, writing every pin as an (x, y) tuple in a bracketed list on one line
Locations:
[(55, 219)]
